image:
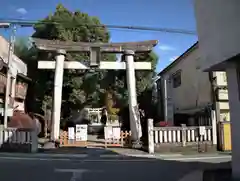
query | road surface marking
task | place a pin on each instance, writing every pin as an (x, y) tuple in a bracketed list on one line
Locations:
[(35, 158), (76, 173), (198, 158), (118, 160), (113, 156), (43, 155)]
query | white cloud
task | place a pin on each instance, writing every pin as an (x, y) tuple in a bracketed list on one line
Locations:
[(173, 58), (166, 48), (21, 10)]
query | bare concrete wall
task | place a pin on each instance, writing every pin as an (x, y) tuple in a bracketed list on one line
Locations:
[(218, 28)]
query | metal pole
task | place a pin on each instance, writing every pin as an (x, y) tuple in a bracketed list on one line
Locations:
[(9, 68)]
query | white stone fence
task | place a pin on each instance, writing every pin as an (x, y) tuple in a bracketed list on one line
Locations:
[(177, 136), (18, 139)]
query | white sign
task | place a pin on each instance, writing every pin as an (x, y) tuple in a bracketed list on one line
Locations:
[(202, 130), (112, 132), (71, 133), (81, 132), (108, 132), (116, 132)]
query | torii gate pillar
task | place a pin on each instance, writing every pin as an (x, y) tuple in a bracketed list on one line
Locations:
[(134, 118), (57, 97)]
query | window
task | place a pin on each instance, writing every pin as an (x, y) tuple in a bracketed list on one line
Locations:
[(176, 78), (224, 77)]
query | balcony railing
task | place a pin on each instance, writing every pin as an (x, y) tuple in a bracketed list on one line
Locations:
[(3, 80), (21, 90)]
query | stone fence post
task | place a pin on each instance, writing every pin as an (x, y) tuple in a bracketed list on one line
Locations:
[(184, 135), (34, 140), (150, 137)]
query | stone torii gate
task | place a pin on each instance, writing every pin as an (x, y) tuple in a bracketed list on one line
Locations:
[(128, 49)]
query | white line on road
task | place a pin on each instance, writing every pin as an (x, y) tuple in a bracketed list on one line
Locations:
[(76, 173), (29, 158), (44, 155), (198, 158), (118, 160)]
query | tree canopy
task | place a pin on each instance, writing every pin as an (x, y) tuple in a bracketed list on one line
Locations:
[(81, 88)]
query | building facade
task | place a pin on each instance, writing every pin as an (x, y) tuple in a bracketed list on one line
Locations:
[(189, 94), (19, 80)]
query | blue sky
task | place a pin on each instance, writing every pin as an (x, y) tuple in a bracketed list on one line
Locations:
[(176, 14)]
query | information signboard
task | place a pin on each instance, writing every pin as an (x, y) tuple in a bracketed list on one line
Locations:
[(108, 132), (71, 133), (81, 132), (116, 132), (112, 132)]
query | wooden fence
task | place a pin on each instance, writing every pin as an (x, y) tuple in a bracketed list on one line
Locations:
[(65, 141), (177, 136), (18, 139), (124, 141)]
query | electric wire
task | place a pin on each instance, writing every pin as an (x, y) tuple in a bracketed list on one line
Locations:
[(31, 23)]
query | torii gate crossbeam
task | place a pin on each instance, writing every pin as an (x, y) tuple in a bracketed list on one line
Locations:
[(96, 49)]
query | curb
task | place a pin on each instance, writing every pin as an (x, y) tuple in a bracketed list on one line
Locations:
[(74, 156), (164, 157)]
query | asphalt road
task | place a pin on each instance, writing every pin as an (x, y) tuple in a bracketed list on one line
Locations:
[(96, 167)]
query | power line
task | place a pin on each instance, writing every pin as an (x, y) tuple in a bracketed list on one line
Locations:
[(31, 23)]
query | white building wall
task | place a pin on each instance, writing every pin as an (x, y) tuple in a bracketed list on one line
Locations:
[(195, 88)]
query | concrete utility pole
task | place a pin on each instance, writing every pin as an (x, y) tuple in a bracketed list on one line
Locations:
[(9, 69)]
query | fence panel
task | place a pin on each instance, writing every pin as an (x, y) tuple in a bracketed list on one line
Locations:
[(18, 139), (181, 135)]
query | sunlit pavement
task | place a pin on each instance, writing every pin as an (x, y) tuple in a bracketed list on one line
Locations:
[(98, 166)]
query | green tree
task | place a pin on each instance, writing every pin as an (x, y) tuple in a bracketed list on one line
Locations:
[(29, 55), (117, 79), (81, 88)]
